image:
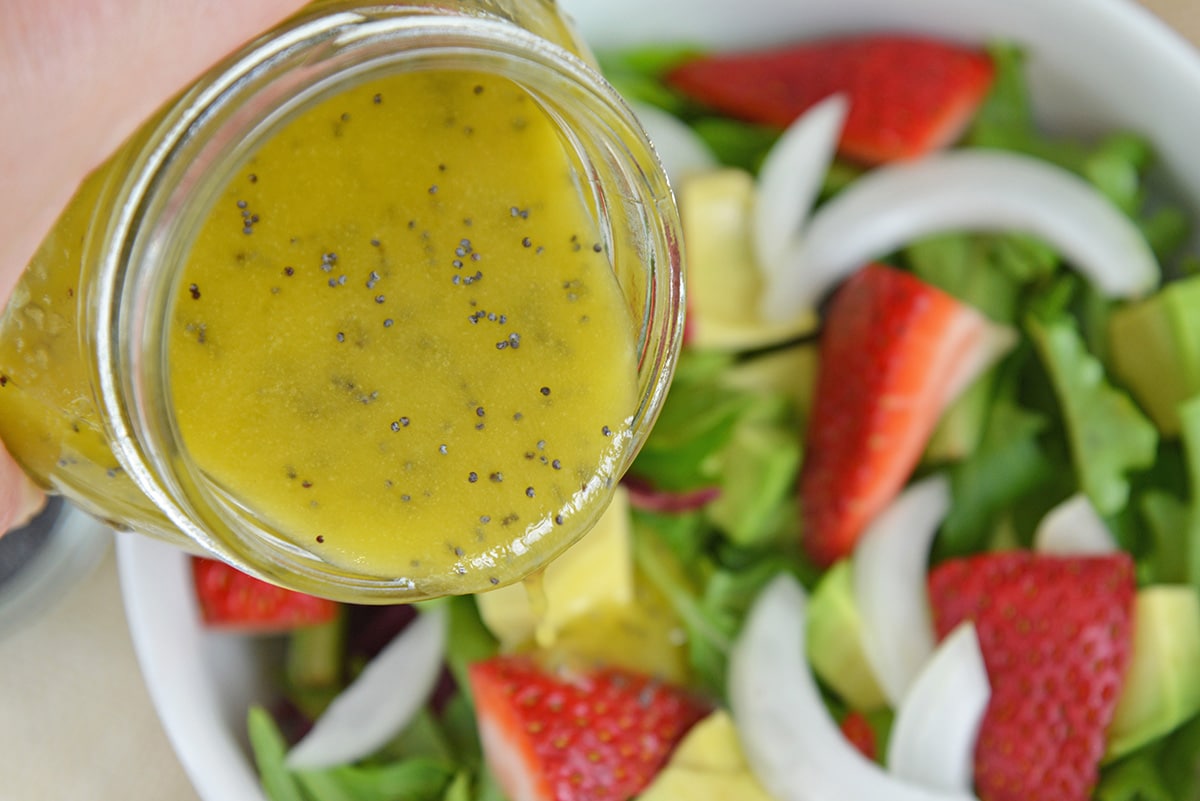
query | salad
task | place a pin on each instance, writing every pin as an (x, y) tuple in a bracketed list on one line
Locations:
[(916, 520)]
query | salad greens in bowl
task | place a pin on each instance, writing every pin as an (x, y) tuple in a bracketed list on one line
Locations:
[(919, 519)]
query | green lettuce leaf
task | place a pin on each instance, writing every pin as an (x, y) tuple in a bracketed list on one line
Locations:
[(709, 588), (467, 640), (459, 789), (1108, 435), (269, 749), (314, 669), (461, 732), (697, 421), (488, 788), (1116, 166), (680, 581), (1008, 465), (758, 475), (744, 441), (637, 73), (1135, 779), (985, 271), (416, 779), (1167, 229), (422, 738), (1164, 770), (1167, 519), (413, 778), (735, 143)]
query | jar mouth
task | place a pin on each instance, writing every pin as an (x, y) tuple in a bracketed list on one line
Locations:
[(177, 179)]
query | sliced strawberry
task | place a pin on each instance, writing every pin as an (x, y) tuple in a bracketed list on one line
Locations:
[(598, 736), (894, 352), (908, 95), (1056, 637), (857, 729), (230, 599)]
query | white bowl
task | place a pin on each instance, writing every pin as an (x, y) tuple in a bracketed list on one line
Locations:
[(1095, 65)]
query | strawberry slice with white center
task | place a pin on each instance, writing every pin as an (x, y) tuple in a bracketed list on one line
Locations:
[(908, 95), (593, 736), (233, 600), (894, 353), (1056, 638)]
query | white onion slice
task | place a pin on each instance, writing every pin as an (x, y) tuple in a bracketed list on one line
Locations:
[(1073, 528), (890, 566), (382, 700), (933, 737), (679, 148), (791, 177), (793, 747), (969, 190)]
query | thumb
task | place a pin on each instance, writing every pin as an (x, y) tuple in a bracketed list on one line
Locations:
[(76, 78), (20, 498)]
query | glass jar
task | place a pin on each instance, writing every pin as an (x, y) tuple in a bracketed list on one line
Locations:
[(94, 352)]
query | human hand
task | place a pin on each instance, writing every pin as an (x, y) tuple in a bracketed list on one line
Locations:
[(76, 78)]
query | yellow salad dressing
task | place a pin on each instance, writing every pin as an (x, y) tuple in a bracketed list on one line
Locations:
[(398, 339)]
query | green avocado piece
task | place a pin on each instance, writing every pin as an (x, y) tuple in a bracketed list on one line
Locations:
[(1162, 687), (725, 282), (676, 783), (834, 641), (1155, 348), (961, 426), (791, 371), (758, 477), (708, 765)]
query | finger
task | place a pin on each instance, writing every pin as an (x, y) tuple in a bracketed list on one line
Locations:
[(20, 498), (78, 76)]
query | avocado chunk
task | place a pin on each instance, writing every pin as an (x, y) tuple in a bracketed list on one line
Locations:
[(961, 426), (1155, 348), (1162, 687), (834, 641), (758, 475), (595, 572), (725, 281), (708, 765), (790, 370)]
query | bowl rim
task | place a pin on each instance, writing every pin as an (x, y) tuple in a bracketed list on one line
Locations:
[(156, 582)]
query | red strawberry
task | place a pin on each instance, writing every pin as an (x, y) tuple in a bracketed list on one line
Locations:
[(857, 729), (230, 599), (597, 736), (1056, 636), (908, 95), (893, 353)]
